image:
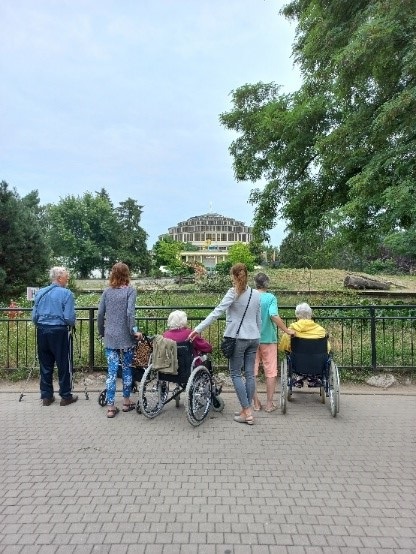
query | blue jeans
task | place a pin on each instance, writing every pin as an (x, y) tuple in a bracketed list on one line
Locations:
[(243, 361), (114, 358)]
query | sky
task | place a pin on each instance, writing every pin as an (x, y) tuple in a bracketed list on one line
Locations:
[(125, 95)]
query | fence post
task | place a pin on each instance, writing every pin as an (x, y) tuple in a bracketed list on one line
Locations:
[(91, 341), (373, 337)]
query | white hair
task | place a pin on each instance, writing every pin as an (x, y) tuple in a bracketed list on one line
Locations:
[(177, 320), (57, 272), (303, 311)]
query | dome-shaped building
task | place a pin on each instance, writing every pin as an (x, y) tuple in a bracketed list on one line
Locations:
[(212, 234)]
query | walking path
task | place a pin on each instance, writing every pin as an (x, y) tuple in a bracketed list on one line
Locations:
[(74, 481)]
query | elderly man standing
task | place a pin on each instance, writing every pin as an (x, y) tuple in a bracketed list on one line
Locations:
[(54, 314)]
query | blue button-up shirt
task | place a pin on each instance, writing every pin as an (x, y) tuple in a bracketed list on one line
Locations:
[(54, 305)]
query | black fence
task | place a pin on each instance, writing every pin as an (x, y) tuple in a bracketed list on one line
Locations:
[(366, 337)]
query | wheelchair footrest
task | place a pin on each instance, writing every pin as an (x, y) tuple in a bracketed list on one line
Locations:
[(314, 383)]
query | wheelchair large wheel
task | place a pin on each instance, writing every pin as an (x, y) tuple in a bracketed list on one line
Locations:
[(333, 382), (164, 393), (198, 396), (283, 386), (151, 393)]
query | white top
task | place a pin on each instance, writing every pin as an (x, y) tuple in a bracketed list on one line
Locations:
[(234, 307)]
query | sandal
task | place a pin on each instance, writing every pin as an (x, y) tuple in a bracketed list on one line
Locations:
[(112, 412), (128, 407), (257, 407), (271, 409), (244, 419)]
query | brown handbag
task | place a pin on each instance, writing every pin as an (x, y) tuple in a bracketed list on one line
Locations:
[(142, 352)]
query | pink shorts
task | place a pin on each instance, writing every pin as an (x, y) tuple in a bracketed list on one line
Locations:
[(268, 356)]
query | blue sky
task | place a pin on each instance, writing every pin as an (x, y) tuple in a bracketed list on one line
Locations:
[(125, 95)]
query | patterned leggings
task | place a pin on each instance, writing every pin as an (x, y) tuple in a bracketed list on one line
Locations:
[(114, 358)]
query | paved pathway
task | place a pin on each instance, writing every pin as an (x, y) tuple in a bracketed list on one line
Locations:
[(74, 481)]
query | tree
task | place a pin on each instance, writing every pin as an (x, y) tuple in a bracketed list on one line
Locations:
[(133, 250), (256, 248), (317, 249), (240, 253), (189, 247), (84, 232), (166, 252), (338, 154), (24, 255), (271, 255)]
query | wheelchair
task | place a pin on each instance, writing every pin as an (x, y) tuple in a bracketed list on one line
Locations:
[(309, 361), (195, 378)]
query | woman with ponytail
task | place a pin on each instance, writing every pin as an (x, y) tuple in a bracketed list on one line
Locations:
[(243, 321)]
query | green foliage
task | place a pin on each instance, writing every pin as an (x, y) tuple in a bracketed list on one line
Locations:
[(88, 233), (132, 250), (189, 247), (83, 232), (338, 154), (219, 282), (24, 255), (318, 249), (166, 251), (240, 253), (257, 250), (382, 266), (223, 268)]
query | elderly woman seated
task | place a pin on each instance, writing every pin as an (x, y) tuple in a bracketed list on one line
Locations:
[(179, 332), (306, 328)]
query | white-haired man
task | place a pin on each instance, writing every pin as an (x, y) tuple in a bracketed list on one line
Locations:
[(54, 314)]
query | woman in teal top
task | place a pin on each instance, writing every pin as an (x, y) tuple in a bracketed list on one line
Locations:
[(267, 350)]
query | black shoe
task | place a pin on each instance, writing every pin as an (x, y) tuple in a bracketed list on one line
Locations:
[(70, 400), (48, 401)]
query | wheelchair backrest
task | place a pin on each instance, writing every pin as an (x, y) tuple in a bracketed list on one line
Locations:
[(309, 356), (185, 356)]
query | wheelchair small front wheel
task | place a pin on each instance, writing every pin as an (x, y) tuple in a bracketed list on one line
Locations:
[(217, 404), (102, 398)]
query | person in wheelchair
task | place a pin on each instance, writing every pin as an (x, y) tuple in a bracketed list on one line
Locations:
[(179, 331), (305, 328)]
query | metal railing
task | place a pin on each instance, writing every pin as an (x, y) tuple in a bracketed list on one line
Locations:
[(367, 337)]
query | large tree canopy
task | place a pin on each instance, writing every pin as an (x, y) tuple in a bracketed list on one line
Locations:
[(88, 233), (23, 250), (339, 153)]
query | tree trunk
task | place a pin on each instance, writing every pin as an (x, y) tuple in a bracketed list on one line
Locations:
[(359, 282)]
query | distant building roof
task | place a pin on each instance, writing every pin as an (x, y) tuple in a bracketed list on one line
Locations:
[(209, 217)]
